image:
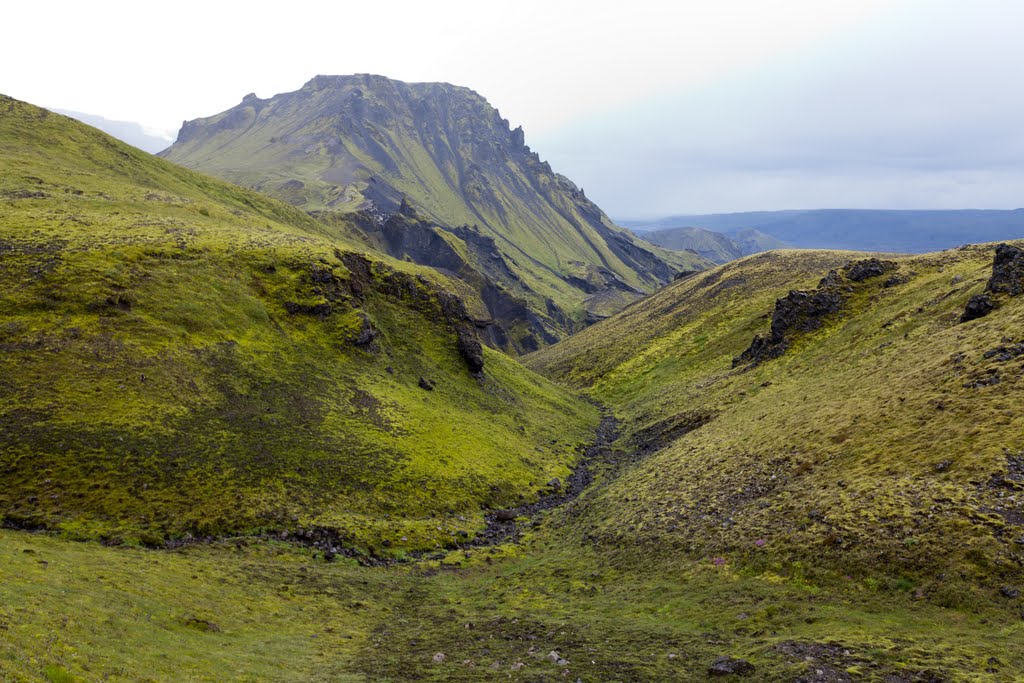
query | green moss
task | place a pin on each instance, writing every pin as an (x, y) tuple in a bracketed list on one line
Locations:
[(181, 357), (827, 456)]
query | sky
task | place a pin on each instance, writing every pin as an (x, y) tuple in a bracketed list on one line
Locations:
[(654, 108)]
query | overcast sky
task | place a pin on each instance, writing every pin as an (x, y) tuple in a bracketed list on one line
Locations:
[(652, 107)]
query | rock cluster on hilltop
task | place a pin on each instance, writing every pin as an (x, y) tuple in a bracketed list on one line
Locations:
[(865, 269), (806, 311), (1007, 281), (798, 311)]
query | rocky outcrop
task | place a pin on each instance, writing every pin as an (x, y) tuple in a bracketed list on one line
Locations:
[(1007, 271), (865, 269), (978, 306), (798, 311), (1007, 281), (344, 292), (805, 311), (405, 236)]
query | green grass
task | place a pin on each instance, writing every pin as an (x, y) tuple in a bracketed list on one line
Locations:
[(272, 612), (830, 455), (156, 385)]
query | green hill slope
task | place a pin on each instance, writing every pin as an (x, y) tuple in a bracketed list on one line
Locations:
[(367, 143), (883, 441), (183, 357)]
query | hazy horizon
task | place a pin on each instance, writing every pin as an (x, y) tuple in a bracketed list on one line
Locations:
[(691, 109)]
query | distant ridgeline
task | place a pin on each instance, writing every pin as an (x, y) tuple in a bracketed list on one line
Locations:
[(431, 173), (717, 247), (867, 230)]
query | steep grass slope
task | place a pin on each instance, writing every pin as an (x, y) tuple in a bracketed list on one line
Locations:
[(371, 144), (887, 444), (183, 357)]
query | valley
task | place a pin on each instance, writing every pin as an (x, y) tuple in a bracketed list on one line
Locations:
[(338, 433)]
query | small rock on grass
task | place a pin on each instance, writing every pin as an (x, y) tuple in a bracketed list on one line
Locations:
[(438, 658), (729, 666)]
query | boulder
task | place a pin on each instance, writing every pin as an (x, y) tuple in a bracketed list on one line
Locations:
[(728, 666), (864, 269), (978, 306), (1007, 271)]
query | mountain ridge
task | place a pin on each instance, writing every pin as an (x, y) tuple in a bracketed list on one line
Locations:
[(717, 247), (370, 144)]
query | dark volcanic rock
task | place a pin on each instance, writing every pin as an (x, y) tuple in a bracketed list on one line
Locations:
[(426, 384), (1004, 353), (978, 306), (728, 666), (1007, 271), (858, 271), (470, 349), (366, 333), (1007, 281), (798, 311), (321, 310)]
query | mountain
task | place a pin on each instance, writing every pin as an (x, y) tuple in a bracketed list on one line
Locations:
[(184, 358), (376, 147), (717, 247), (866, 230), (238, 443), (126, 131)]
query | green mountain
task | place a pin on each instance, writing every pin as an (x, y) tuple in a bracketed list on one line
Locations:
[(182, 357), (377, 147), (253, 448), (716, 247)]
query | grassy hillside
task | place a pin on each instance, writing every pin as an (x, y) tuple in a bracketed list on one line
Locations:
[(884, 446), (368, 143), (183, 357)]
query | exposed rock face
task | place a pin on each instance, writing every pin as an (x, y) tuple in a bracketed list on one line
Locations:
[(1007, 281), (406, 236), (805, 311), (858, 271), (978, 306), (417, 291), (1007, 271), (440, 154), (798, 311)]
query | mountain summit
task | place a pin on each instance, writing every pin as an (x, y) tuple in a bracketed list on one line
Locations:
[(369, 147)]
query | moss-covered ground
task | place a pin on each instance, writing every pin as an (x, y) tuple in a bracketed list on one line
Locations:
[(184, 360)]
